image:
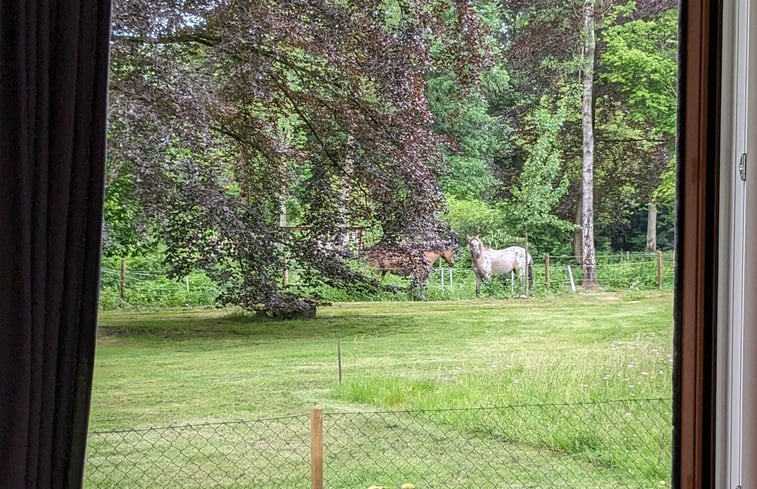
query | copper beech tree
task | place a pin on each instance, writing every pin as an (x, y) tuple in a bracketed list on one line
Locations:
[(225, 112)]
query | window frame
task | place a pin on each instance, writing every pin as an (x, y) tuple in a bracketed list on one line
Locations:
[(695, 302)]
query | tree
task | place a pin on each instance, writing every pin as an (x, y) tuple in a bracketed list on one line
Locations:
[(219, 106), (479, 137), (641, 61), (588, 257), (540, 186), (545, 51)]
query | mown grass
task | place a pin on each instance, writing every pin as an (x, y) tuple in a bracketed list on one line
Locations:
[(158, 369)]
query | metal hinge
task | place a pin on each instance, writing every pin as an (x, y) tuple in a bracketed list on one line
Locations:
[(742, 167)]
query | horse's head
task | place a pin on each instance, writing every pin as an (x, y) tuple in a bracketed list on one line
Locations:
[(476, 247), (448, 256)]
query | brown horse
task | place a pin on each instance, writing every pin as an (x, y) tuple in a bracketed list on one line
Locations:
[(445, 254), (406, 261)]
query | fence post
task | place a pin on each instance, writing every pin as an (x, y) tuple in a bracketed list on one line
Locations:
[(546, 271), (339, 359), (659, 269), (122, 283), (572, 283), (532, 265), (316, 448)]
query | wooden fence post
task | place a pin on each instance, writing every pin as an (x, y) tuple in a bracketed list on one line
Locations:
[(316, 448), (546, 271), (659, 269), (122, 283)]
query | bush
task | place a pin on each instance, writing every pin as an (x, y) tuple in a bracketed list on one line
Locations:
[(146, 285)]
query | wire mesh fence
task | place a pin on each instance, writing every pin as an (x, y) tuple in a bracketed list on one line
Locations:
[(557, 275), (614, 271), (153, 288), (260, 453), (617, 444), (551, 275)]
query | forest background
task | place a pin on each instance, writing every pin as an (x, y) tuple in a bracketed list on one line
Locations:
[(420, 121)]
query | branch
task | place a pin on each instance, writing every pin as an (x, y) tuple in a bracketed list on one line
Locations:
[(190, 37), (633, 140), (316, 135)]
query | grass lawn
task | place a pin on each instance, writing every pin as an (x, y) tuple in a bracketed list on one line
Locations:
[(198, 366)]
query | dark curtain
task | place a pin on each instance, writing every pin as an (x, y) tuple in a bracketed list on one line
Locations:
[(53, 91)]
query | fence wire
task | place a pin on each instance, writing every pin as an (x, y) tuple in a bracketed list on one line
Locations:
[(616, 444), (558, 274), (261, 453)]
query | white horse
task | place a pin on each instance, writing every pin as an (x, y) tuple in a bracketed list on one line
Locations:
[(487, 261)]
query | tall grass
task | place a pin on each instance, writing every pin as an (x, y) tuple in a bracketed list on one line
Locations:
[(158, 369), (548, 358)]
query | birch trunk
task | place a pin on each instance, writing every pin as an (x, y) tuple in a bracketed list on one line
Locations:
[(578, 253), (652, 228), (589, 261)]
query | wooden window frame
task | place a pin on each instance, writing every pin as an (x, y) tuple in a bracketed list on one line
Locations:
[(695, 308)]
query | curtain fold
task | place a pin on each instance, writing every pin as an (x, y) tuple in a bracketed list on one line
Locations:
[(53, 93)]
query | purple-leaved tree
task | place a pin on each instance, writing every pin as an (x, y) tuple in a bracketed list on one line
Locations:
[(227, 111)]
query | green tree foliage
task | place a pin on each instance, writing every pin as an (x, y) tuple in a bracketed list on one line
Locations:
[(632, 130), (477, 137), (123, 232), (463, 114), (541, 186), (638, 71), (475, 217), (640, 59)]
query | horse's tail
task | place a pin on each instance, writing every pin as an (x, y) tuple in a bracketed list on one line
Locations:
[(530, 272)]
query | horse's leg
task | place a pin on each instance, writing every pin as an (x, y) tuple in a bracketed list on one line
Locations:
[(478, 284), (521, 283), (530, 274)]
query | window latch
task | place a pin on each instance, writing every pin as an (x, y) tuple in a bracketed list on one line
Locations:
[(742, 167)]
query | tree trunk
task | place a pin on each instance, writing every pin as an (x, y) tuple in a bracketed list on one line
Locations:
[(578, 251), (589, 263), (242, 175), (343, 238), (652, 228), (282, 224)]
